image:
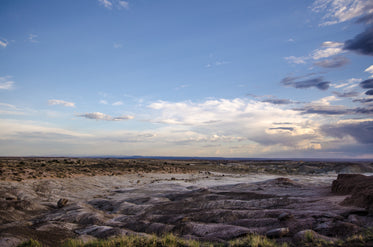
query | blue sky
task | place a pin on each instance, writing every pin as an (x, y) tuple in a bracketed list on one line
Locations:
[(187, 78)]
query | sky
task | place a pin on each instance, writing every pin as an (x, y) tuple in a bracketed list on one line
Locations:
[(212, 78)]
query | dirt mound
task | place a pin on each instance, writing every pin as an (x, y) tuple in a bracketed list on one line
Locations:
[(359, 186)]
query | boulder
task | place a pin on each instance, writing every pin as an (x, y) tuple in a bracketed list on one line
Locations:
[(277, 233)]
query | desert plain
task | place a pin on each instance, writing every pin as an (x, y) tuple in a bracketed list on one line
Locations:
[(54, 199)]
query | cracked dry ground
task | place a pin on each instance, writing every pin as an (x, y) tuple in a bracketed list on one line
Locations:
[(215, 208)]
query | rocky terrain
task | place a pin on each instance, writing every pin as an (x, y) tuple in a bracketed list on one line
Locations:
[(53, 199)]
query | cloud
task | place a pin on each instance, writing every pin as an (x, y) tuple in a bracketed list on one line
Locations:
[(369, 70), (33, 38), (296, 60), (217, 63), (364, 100), (367, 84), (3, 42), (106, 3), (328, 49), (123, 4), (239, 121), (361, 131), (362, 43), (102, 116), (117, 45), (6, 84), (278, 101), (317, 82), (104, 102), (282, 128), (326, 52), (118, 103), (334, 62), (346, 94), (110, 4), (60, 102), (369, 92), (338, 11), (324, 109)]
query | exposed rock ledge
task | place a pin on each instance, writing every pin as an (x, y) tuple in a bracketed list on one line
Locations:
[(359, 186)]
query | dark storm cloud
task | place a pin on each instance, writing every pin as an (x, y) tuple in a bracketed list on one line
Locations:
[(367, 84), (333, 110), (317, 82), (278, 101), (323, 110), (282, 128), (369, 92), (361, 132), (365, 100), (334, 62), (367, 19), (346, 94), (362, 43), (363, 110)]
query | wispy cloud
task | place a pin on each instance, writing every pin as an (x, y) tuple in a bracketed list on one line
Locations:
[(334, 62), (118, 103), (33, 38), (296, 60), (117, 45), (338, 11), (60, 102), (3, 42), (350, 83), (102, 116), (6, 83), (110, 4), (104, 102), (217, 63), (369, 70)]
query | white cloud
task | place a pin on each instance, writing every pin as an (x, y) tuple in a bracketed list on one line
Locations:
[(106, 3), (296, 60), (33, 38), (217, 63), (328, 49), (3, 43), (369, 70), (118, 103), (350, 83), (60, 102), (104, 102), (332, 44), (110, 4), (6, 84), (123, 4), (117, 45), (327, 52), (338, 11), (102, 116)]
